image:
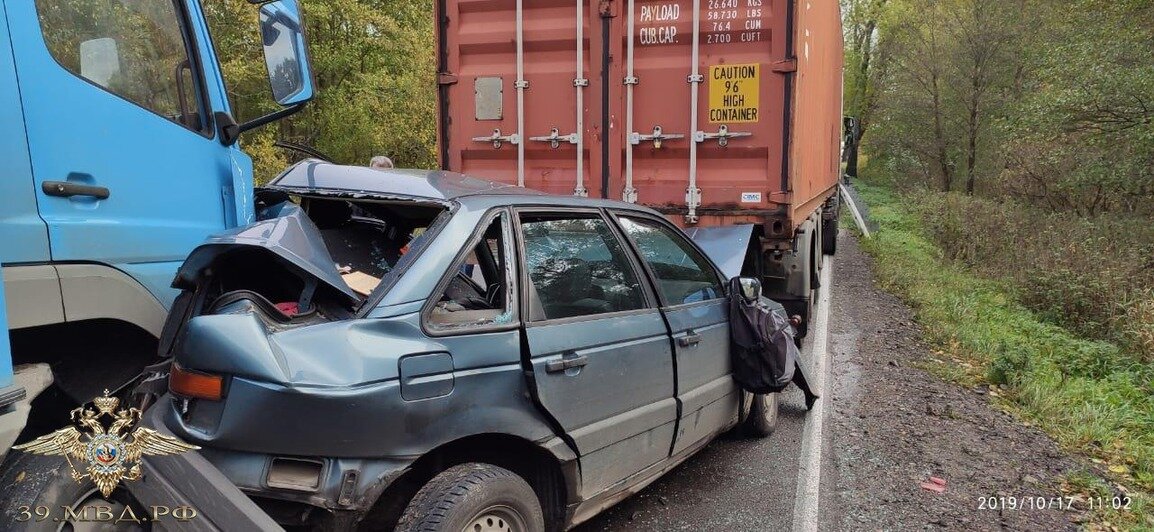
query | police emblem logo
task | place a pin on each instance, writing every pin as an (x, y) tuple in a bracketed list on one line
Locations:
[(112, 453)]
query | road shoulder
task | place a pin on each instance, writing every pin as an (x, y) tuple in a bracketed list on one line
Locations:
[(893, 426)]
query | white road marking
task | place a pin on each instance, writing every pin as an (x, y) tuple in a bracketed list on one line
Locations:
[(805, 505)]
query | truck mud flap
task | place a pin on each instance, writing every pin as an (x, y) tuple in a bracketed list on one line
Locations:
[(189, 479)]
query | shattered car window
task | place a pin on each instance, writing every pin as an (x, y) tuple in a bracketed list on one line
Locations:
[(478, 292), (577, 268)]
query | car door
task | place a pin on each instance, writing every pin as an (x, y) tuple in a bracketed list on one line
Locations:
[(599, 349), (126, 165), (693, 301)]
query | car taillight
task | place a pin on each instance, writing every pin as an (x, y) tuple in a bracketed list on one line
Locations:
[(195, 384)]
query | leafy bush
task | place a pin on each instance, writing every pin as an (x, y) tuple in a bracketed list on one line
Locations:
[(1091, 275)]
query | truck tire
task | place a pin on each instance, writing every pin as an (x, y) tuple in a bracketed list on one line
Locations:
[(829, 237), (762, 418), (32, 481), (474, 496)]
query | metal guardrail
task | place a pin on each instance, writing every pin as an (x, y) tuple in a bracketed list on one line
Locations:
[(857, 208)]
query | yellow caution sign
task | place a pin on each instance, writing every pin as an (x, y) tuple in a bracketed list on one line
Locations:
[(733, 93)]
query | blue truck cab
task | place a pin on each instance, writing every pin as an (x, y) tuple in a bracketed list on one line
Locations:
[(121, 155)]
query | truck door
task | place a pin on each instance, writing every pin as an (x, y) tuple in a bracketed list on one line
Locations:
[(599, 349), (126, 165), (693, 301)]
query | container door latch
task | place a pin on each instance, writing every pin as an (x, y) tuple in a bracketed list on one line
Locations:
[(723, 135), (657, 137), (555, 138), (497, 139)]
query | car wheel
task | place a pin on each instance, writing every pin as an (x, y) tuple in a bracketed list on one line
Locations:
[(31, 482), (762, 417), (474, 497)]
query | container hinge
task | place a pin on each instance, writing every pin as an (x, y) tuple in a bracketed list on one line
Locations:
[(695, 78), (521, 84), (780, 198), (498, 139), (692, 200), (446, 78), (555, 138), (723, 135), (784, 67), (581, 82), (657, 137), (630, 80)]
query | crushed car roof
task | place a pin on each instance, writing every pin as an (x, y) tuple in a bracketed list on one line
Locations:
[(314, 176)]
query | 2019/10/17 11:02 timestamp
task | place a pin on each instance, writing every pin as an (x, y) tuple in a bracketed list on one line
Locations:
[(1010, 502)]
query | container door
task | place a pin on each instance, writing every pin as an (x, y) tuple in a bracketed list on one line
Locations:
[(126, 166), (599, 348), (702, 109), (515, 86)]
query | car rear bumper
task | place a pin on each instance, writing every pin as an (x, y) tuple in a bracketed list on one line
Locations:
[(188, 480)]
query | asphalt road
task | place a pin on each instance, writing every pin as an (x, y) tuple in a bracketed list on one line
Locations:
[(859, 460), (733, 484)]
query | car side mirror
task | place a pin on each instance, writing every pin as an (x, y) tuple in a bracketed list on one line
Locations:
[(750, 289), (285, 56)]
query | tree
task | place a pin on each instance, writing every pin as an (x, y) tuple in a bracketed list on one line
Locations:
[(865, 63), (374, 68)]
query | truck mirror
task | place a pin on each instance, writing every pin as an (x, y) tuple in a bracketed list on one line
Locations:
[(750, 289), (289, 72), (99, 60)]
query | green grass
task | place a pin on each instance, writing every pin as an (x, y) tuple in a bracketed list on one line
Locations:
[(1092, 397)]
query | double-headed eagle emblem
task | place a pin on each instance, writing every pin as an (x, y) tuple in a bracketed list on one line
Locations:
[(112, 454)]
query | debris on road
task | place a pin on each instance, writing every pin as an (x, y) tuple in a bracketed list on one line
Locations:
[(934, 484)]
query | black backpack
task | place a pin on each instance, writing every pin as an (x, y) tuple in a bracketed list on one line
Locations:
[(764, 352)]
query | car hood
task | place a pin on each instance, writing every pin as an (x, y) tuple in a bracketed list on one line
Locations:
[(720, 244), (287, 233)]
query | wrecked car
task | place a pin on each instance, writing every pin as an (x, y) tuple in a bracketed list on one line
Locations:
[(428, 351)]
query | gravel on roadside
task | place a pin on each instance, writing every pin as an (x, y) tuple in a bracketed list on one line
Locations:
[(893, 426)]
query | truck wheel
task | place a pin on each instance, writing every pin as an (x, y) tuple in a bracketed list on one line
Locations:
[(829, 237), (762, 417), (30, 481), (474, 497)]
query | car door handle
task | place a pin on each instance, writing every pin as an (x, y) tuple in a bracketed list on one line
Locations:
[(690, 339), (67, 189), (566, 362)]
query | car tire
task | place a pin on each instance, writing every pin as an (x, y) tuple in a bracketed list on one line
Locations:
[(474, 496), (31, 481), (762, 418)]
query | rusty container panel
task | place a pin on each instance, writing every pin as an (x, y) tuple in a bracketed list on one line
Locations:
[(484, 130), (728, 143), (815, 149), (712, 111)]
